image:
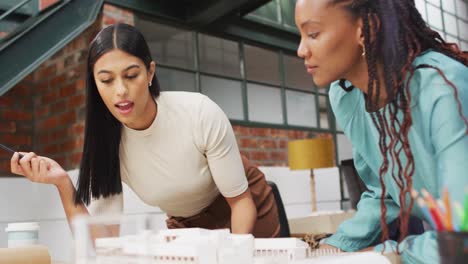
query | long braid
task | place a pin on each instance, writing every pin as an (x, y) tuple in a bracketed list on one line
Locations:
[(401, 37)]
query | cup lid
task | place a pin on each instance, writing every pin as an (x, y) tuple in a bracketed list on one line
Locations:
[(26, 226)]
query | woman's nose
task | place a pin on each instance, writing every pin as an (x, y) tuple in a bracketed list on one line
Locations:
[(302, 50), (121, 89)]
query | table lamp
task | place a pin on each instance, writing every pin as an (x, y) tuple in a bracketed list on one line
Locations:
[(311, 154)]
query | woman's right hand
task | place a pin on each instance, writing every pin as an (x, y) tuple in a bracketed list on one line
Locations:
[(38, 169)]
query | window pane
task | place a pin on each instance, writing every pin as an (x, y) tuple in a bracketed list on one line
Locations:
[(324, 90), (463, 28), (421, 6), (264, 104), (226, 93), (462, 9), (168, 45), (267, 12), (287, 11), (451, 39), (434, 2), (464, 45), (261, 65), (450, 24), (337, 126), (301, 109), (174, 80), (323, 111), (434, 16), (219, 56), (345, 149), (296, 75), (449, 5)]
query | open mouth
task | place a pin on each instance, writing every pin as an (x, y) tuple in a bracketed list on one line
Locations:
[(124, 107)]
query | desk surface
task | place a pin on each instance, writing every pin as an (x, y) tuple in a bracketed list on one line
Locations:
[(326, 223)]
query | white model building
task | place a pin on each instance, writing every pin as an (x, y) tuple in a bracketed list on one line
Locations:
[(197, 246)]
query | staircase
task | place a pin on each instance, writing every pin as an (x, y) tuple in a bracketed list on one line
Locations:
[(31, 31)]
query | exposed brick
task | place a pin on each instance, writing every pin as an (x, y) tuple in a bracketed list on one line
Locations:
[(5, 167), (41, 88), (67, 90), (245, 154), (76, 101), (57, 56), (52, 149), (69, 60), (262, 132), (49, 97), (59, 135), (42, 111), (248, 143), (67, 118), (58, 107), (45, 72), (82, 56), (15, 139), (17, 115), (43, 139), (7, 127), (58, 81), (20, 90), (279, 133), (293, 134), (6, 101), (77, 129), (259, 155), (48, 123), (283, 144), (76, 72), (267, 144), (71, 145), (276, 155), (61, 160), (76, 158), (80, 84), (24, 127)]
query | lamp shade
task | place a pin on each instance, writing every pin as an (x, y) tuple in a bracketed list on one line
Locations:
[(311, 154)]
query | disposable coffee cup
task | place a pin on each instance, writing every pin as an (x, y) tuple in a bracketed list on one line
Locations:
[(453, 247), (22, 234)]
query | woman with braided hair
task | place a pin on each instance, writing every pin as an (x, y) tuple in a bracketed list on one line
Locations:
[(400, 93)]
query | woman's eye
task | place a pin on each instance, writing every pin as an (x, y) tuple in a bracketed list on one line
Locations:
[(106, 81), (313, 35), (132, 76)]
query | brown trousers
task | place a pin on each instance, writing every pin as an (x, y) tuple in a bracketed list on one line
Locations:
[(218, 214)]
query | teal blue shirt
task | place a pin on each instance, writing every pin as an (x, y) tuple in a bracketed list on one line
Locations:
[(439, 144)]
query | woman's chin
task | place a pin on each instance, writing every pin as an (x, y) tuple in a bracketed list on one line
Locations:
[(321, 83)]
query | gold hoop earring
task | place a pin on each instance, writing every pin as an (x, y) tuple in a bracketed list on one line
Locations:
[(363, 51)]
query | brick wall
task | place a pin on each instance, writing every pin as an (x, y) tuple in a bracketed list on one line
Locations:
[(44, 113), (268, 146), (59, 102), (16, 120)]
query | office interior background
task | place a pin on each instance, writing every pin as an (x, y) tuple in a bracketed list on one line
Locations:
[(241, 54)]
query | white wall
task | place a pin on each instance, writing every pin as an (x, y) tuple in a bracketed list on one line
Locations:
[(23, 201)]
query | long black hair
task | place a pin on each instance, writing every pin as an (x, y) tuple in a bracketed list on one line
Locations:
[(394, 35), (100, 164)]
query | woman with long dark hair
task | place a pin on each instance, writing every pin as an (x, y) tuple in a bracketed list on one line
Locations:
[(175, 150), (400, 93)]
